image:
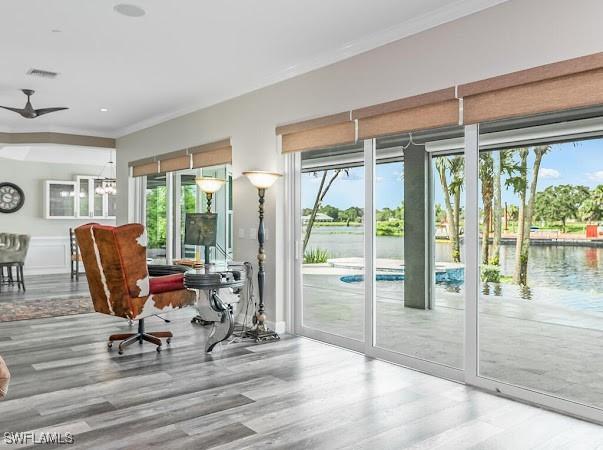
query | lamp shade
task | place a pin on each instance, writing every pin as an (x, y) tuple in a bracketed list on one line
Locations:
[(261, 179), (209, 185)]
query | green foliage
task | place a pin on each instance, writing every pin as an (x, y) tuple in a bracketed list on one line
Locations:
[(490, 273), (387, 214), (591, 209), (560, 203), (156, 205), (394, 227), (440, 213), (316, 256)]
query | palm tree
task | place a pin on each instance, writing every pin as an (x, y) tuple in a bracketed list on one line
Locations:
[(526, 208), (486, 175), (504, 164), (452, 166)]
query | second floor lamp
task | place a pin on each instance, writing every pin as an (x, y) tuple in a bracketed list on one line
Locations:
[(261, 180)]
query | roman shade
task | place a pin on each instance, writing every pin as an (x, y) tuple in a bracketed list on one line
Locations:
[(171, 162), (144, 167), (431, 110), (205, 155), (336, 129), (212, 154), (570, 84)]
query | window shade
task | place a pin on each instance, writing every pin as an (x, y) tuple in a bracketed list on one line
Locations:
[(205, 155), (175, 163), (559, 86), (336, 129), (141, 169), (432, 110), (212, 154)]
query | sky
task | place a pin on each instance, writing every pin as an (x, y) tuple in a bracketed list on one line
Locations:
[(566, 163)]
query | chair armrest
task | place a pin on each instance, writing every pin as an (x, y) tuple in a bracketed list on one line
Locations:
[(166, 283), (157, 270)]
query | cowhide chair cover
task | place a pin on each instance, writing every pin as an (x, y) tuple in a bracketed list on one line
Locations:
[(4, 378), (118, 277)]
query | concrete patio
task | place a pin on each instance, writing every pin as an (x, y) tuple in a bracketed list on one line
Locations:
[(548, 346)]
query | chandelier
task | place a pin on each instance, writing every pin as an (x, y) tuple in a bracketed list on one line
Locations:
[(108, 185)]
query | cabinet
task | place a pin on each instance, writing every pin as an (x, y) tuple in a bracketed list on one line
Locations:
[(77, 199), (59, 199)]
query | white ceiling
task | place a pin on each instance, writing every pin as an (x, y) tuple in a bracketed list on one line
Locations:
[(183, 55)]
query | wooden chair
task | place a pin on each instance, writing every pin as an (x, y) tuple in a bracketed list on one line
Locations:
[(118, 278), (75, 256)]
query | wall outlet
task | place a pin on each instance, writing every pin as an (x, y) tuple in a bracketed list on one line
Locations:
[(253, 233)]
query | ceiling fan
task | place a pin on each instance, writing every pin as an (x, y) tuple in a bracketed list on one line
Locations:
[(29, 112)]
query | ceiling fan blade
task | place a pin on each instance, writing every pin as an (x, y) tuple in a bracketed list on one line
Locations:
[(17, 110), (42, 111)]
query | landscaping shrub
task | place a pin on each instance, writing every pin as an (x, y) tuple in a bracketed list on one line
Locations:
[(316, 256), (490, 273), (390, 228)]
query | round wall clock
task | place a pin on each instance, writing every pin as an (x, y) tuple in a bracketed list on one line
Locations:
[(11, 198)]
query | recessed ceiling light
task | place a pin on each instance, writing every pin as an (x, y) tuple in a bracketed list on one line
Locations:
[(104, 110), (56, 30), (129, 10)]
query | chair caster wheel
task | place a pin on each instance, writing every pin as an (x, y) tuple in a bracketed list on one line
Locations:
[(120, 352), (159, 349), (109, 344), (168, 341)]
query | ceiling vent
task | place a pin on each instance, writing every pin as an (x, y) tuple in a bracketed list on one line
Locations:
[(42, 73)]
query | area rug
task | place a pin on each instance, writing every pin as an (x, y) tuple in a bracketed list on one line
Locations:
[(47, 307)]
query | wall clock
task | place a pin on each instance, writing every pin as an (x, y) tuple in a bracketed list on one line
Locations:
[(11, 198)]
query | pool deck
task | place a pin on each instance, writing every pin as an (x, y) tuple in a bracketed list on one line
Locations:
[(549, 346)]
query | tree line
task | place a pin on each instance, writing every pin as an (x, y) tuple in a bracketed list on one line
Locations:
[(517, 169)]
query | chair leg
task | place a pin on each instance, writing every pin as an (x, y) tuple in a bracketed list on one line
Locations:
[(77, 270), (129, 338), (20, 277)]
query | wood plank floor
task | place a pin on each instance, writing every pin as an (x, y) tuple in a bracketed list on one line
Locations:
[(294, 394), (46, 287)]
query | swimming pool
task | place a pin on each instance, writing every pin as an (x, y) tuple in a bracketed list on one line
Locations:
[(452, 275)]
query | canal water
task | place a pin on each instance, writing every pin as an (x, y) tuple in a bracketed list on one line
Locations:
[(563, 267)]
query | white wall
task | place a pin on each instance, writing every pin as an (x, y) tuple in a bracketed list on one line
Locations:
[(49, 247), (515, 35)]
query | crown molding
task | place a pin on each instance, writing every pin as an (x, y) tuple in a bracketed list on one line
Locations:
[(447, 13)]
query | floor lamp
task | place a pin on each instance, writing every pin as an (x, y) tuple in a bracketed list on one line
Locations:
[(210, 186), (262, 181)]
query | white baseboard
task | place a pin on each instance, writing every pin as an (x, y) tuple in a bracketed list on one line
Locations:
[(48, 255), (280, 326)]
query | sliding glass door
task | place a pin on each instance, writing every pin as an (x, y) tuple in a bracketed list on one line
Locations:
[(331, 238), (473, 253), (541, 263), (156, 217), (378, 282), (190, 199), (418, 234), (166, 200)]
